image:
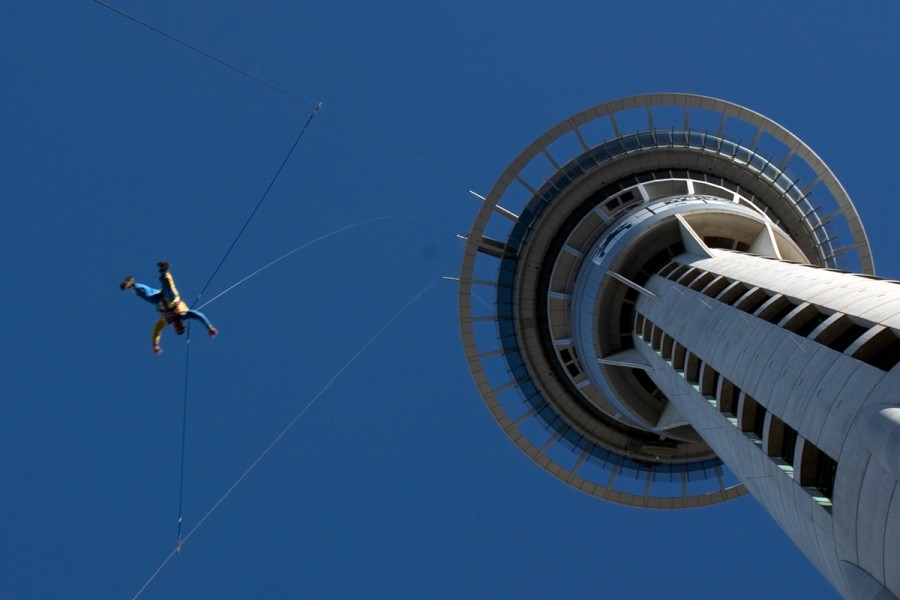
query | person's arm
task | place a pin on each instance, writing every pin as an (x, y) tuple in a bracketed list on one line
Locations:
[(199, 316)]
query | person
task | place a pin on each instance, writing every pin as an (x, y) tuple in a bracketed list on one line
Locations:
[(168, 303)]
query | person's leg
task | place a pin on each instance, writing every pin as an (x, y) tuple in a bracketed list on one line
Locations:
[(151, 295), (157, 333)]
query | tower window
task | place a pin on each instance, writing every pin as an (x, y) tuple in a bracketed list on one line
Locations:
[(692, 369), (753, 417), (817, 472), (656, 338), (702, 281), (716, 286), (838, 332), (752, 300), (639, 323), (671, 266), (728, 398), (803, 319), (731, 294), (647, 330), (881, 350), (782, 443), (776, 309), (667, 341), (678, 353), (677, 272), (690, 275), (709, 380)]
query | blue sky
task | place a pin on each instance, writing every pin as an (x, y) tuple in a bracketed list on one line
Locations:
[(122, 148)]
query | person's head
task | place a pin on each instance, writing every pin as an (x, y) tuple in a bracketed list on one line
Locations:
[(163, 266), (178, 326)]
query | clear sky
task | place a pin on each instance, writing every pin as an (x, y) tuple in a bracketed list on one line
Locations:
[(121, 148)]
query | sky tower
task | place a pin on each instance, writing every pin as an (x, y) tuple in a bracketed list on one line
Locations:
[(665, 283)]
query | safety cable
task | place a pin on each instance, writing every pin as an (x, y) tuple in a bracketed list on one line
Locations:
[(412, 154), (187, 356), (295, 250), (281, 435), (206, 54), (188, 351), (316, 107), (258, 204), (187, 370)]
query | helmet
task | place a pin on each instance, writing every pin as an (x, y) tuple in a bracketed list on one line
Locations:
[(163, 266), (178, 326)]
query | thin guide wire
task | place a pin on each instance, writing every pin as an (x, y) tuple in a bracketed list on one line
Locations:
[(206, 54), (281, 435), (358, 127), (258, 204), (294, 251), (187, 370)]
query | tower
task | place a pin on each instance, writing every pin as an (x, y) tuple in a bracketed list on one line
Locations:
[(665, 283)]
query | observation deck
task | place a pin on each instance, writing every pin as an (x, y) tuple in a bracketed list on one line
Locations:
[(587, 196)]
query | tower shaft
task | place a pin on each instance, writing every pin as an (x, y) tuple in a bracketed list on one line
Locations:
[(772, 363)]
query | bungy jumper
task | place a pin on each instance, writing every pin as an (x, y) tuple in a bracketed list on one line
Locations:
[(169, 304)]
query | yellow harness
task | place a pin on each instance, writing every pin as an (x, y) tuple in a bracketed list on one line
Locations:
[(175, 306)]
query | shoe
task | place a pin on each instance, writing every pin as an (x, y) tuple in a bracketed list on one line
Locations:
[(157, 349), (127, 283), (213, 332), (163, 266)]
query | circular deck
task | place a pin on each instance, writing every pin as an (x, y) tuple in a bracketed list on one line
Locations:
[(560, 195)]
